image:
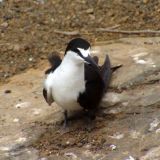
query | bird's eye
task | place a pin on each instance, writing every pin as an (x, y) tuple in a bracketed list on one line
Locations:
[(76, 50)]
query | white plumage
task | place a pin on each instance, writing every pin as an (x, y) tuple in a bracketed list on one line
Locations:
[(67, 81)]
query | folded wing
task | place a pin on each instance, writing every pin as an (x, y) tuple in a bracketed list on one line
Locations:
[(54, 61)]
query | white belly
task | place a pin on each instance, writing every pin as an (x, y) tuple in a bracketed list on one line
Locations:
[(67, 83)]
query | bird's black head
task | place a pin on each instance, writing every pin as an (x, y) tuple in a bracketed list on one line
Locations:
[(79, 51), (76, 43)]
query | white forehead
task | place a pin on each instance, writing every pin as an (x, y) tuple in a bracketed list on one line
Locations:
[(84, 52)]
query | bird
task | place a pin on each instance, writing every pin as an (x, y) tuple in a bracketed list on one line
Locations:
[(77, 82)]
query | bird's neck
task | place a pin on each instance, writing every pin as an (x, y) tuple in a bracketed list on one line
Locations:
[(70, 60), (70, 66)]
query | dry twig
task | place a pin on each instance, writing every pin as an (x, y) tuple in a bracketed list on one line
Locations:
[(127, 32), (68, 33)]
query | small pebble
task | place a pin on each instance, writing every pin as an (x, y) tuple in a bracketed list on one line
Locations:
[(117, 136), (90, 11), (130, 158), (154, 124), (70, 154), (4, 148), (43, 158), (145, 1), (87, 146), (16, 120), (30, 59), (5, 25), (36, 111), (41, 1), (7, 91), (6, 75), (71, 141), (22, 105), (158, 130), (113, 147), (21, 139), (79, 144)]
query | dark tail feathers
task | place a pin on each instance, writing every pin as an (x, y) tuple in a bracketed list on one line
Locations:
[(106, 72), (96, 59), (114, 68)]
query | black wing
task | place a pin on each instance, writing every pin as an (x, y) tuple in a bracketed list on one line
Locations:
[(54, 61), (94, 88), (106, 70), (97, 82)]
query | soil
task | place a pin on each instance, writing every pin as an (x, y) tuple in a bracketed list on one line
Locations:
[(28, 29), (58, 140)]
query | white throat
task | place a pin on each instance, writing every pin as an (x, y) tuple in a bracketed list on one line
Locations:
[(73, 58)]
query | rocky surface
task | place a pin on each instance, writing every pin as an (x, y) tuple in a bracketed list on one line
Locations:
[(127, 126)]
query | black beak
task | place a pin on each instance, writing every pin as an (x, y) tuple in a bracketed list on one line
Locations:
[(89, 60)]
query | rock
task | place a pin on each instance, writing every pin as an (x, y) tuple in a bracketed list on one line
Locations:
[(90, 11), (80, 144), (145, 1), (70, 141), (4, 25), (30, 128), (153, 153), (16, 47)]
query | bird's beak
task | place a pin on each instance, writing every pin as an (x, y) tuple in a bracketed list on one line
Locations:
[(89, 60)]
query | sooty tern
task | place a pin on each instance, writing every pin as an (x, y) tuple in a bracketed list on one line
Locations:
[(77, 81)]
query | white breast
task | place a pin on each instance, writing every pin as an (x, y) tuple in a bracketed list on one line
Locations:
[(67, 81)]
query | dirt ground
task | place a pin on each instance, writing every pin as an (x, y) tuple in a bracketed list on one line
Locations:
[(57, 140), (28, 29)]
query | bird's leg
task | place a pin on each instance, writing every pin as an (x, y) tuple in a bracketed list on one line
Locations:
[(91, 119), (64, 129), (65, 119)]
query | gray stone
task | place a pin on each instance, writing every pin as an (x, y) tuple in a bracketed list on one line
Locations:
[(153, 153)]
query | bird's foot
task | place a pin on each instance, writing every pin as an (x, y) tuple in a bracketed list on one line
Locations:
[(90, 125), (65, 128)]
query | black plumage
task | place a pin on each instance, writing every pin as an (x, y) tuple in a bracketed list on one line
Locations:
[(97, 82), (54, 61)]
